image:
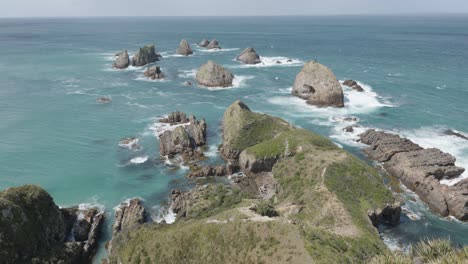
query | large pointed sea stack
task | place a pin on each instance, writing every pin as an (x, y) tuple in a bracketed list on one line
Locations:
[(318, 85), (249, 56), (145, 55), (214, 75), (184, 48)]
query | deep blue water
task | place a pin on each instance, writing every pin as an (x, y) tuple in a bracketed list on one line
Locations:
[(53, 133)]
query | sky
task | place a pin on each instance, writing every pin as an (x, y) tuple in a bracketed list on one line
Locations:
[(66, 8)]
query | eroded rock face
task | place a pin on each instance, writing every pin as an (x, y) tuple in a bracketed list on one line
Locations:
[(184, 48), (145, 55), (33, 227), (420, 170), (390, 214), (249, 56), (185, 138), (122, 60), (353, 85), (214, 75), (204, 43), (214, 44), (318, 85), (208, 171), (154, 73)]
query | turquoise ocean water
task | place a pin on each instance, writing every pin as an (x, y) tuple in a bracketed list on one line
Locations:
[(53, 133)]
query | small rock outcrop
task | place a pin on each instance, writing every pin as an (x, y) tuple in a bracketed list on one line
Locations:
[(204, 43), (390, 214), (208, 171), (145, 55), (214, 44), (185, 138), (122, 60), (318, 85), (421, 170), (104, 100), (154, 73), (184, 48), (33, 227), (249, 56), (451, 132), (353, 85), (214, 75)]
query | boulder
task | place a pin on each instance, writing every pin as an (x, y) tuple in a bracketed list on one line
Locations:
[(204, 43), (214, 44), (122, 60), (154, 73), (353, 85), (214, 75), (318, 85), (145, 55), (390, 214), (420, 170), (184, 48), (249, 56)]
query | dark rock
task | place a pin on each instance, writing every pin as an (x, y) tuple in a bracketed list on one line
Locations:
[(214, 75), (349, 129), (122, 60), (420, 170), (353, 85), (104, 100), (318, 85), (451, 132), (289, 60), (278, 62), (249, 56), (184, 48), (390, 214), (188, 83), (154, 73), (213, 45), (204, 43), (145, 55)]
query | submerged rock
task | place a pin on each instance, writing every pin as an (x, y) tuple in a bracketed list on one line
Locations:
[(353, 85), (154, 73), (420, 170), (249, 56), (214, 44), (214, 75), (145, 55), (204, 43), (122, 60), (184, 48), (104, 100), (318, 85), (451, 132)]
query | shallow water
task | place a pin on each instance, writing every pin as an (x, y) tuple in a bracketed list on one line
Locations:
[(53, 132)]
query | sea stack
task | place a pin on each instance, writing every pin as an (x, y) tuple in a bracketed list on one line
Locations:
[(249, 56), (214, 75), (154, 73), (204, 43), (122, 60), (214, 44), (184, 48), (145, 55), (318, 85)]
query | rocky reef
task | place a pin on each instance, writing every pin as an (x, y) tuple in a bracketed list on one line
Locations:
[(318, 85), (122, 60), (154, 73), (145, 55), (214, 75), (249, 56), (184, 48), (187, 135), (33, 229), (353, 85), (323, 207), (421, 170)]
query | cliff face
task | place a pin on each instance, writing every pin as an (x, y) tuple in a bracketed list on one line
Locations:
[(317, 211)]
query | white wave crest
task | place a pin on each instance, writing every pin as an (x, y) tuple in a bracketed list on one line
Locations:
[(159, 128), (274, 62), (238, 82), (217, 50), (160, 214), (139, 160)]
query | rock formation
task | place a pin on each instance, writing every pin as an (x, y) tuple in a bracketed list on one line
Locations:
[(145, 55), (353, 85), (390, 214), (185, 138), (184, 48), (207, 171), (154, 73), (249, 56), (34, 228), (104, 100), (214, 44), (421, 170), (214, 75), (204, 43), (318, 85), (122, 60)]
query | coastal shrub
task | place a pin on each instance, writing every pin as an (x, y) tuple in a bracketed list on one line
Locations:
[(431, 250), (265, 209)]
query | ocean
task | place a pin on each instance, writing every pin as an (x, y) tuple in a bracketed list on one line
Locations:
[(55, 134)]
